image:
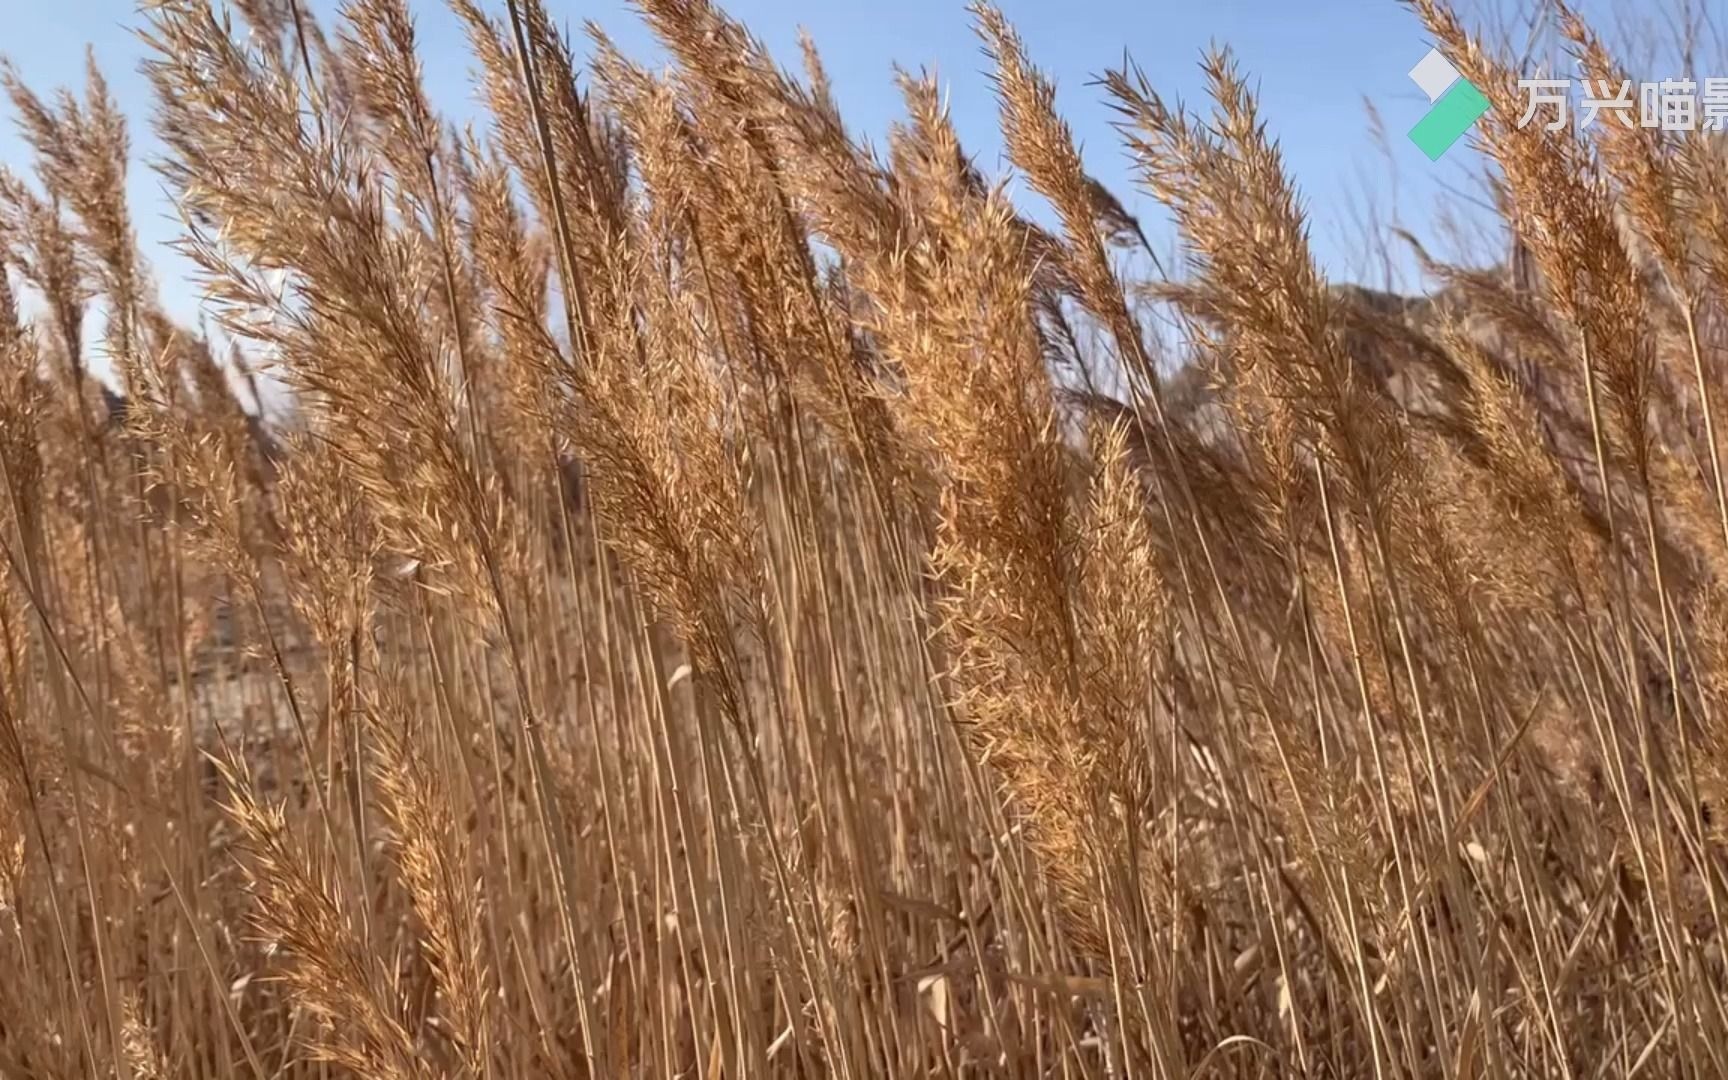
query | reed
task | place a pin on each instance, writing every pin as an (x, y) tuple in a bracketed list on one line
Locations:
[(651, 584)]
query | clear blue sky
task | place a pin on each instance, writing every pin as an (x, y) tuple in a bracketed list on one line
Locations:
[(1317, 62)]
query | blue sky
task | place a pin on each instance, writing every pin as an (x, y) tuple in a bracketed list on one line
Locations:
[(1316, 61)]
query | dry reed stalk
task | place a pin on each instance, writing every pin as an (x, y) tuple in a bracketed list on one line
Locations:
[(694, 595), (299, 913)]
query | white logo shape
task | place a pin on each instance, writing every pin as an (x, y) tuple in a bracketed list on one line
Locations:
[(1434, 74)]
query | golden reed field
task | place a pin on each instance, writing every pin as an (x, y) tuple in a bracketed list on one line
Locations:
[(715, 598)]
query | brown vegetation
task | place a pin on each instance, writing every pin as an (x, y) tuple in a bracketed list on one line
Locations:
[(726, 602)]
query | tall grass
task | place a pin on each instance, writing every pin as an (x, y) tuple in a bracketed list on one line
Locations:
[(697, 596)]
